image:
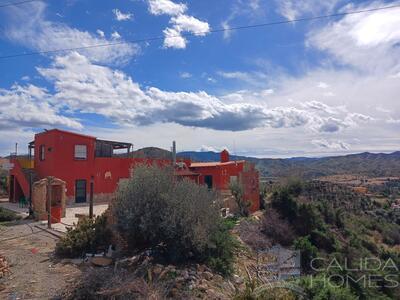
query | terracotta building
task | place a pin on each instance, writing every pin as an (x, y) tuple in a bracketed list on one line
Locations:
[(79, 159)]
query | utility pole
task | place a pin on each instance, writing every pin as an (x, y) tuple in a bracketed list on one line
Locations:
[(16, 149), (91, 197), (49, 196)]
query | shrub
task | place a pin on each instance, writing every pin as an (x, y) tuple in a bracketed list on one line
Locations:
[(308, 251), (7, 215), (220, 255), (3, 182), (284, 203), (250, 232), (295, 186), (88, 236), (391, 236), (278, 229), (323, 240), (237, 193), (307, 219), (181, 218), (319, 287)]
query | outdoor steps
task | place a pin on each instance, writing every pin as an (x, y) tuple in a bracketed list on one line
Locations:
[(30, 172)]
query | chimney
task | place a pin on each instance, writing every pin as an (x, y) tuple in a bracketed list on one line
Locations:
[(173, 153), (224, 156)]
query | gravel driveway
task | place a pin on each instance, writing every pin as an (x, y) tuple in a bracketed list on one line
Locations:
[(35, 274)]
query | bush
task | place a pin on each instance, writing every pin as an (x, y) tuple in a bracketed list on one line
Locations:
[(307, 219), (7, 215), (276, 228), (295, 186), (3, 182), (323, 240), (88, 236), (308, 251), (284, 203), (391, 236), (220, 255), (180, 218), (319, 287), (237, 193)]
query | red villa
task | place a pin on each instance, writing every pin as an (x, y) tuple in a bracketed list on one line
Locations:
[(77, 159)]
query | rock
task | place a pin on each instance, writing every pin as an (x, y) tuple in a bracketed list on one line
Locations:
[(101, 261), (238, 279), (211, 294), (171, 268), (200, 268), (178, 284), (202, 287), (208, 275), (185, 274), (174, 293), (218, 277), (157, 270), (179, 279)]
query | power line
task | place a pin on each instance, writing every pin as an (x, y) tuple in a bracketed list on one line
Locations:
[(199, 33), (17, 3)]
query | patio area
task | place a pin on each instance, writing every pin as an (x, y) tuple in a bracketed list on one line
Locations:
[(70, 215)]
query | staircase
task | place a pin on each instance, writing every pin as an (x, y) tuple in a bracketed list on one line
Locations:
[(23, 172)]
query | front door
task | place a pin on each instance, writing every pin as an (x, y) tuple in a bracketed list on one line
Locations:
[(208, 180), (80, 191)]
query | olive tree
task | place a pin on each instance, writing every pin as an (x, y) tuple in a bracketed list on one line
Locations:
[(155, 209)]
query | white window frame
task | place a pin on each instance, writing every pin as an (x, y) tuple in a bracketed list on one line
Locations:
[(42, 154), (80, 152)]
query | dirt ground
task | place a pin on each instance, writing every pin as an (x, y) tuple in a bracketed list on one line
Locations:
[(34, 272)]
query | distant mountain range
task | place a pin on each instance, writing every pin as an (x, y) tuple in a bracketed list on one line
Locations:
[(368, 164)]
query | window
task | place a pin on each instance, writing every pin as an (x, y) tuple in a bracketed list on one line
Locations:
[(42, 150), (80, 191), (80, 152), (233, 179)]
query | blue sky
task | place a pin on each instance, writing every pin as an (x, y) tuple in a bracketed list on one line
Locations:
[(313, 88)]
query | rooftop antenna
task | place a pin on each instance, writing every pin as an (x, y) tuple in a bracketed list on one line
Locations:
[(234, 149), (174, 153)]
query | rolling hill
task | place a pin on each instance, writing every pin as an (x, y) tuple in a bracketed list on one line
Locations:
[(368, 164)]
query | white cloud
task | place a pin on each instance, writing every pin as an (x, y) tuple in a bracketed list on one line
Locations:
[(185, 23), (185, 75), (393, 121), (322, 85), (332, 145), (173, 39), (180, 23), (160, 7), (251, 78), (227, 33), (293, 9), (368, 42), (120, 16), (86, 87), (115, 35), (30, 106), (251, 9), (206, 148), (43, 35), (100, 33)]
